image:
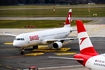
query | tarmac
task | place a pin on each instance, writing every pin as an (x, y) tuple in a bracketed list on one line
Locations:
[(10, 58)]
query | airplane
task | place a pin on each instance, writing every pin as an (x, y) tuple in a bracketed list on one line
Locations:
[(88, 57), (54, 37)]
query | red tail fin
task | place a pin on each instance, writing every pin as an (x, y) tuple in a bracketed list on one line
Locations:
[(85, 44), (68, 19)]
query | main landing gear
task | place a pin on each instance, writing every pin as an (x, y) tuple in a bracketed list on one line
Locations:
[(35, 47)]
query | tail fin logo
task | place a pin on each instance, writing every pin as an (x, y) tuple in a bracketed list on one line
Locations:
[(69, 18), (82, 39)]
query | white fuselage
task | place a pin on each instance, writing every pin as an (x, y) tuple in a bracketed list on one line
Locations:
[(40, 37), (96, 62)]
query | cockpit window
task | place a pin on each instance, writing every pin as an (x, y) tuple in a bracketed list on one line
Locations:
[(19, 39)]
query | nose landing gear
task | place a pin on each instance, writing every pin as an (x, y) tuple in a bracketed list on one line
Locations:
[(22, 51)]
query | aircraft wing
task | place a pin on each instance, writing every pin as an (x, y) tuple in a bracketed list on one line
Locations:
[(9, 34), (66, 58), (54, 40)]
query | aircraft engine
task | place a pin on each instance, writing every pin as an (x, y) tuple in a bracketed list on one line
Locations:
[(57, 45)]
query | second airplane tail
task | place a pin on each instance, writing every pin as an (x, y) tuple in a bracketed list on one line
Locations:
[(85, 44), (68, 19)]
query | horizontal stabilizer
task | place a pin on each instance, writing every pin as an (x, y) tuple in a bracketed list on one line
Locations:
[(73, 30), (65, 58)]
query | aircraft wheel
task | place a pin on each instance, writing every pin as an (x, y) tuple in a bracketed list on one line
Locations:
[(22, 51), (62, 41), (35, 47)]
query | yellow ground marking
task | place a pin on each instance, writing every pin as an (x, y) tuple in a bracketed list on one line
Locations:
[(0, 64), (65, 53), (42, 46), (52, 50), (8, 43), (8, 66), (97, 21), (18, 69), (34, 54), (39, 46)]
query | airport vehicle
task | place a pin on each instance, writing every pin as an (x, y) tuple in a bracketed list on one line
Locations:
[(88, 57), (53, 37)]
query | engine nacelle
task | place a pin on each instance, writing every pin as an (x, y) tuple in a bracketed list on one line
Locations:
[(57, 45)]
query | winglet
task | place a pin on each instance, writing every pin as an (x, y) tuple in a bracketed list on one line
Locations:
[(9, 34), (85, 44)]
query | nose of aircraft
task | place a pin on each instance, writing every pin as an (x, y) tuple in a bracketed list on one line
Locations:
[(16, 44)]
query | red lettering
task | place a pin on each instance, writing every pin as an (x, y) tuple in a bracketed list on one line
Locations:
[(35, 37)]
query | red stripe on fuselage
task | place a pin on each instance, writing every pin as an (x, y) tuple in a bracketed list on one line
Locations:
[(85, 54), (82, 56)]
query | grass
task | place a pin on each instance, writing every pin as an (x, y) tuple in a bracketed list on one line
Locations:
[(51, 6), (60, 12), (36, 23)]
